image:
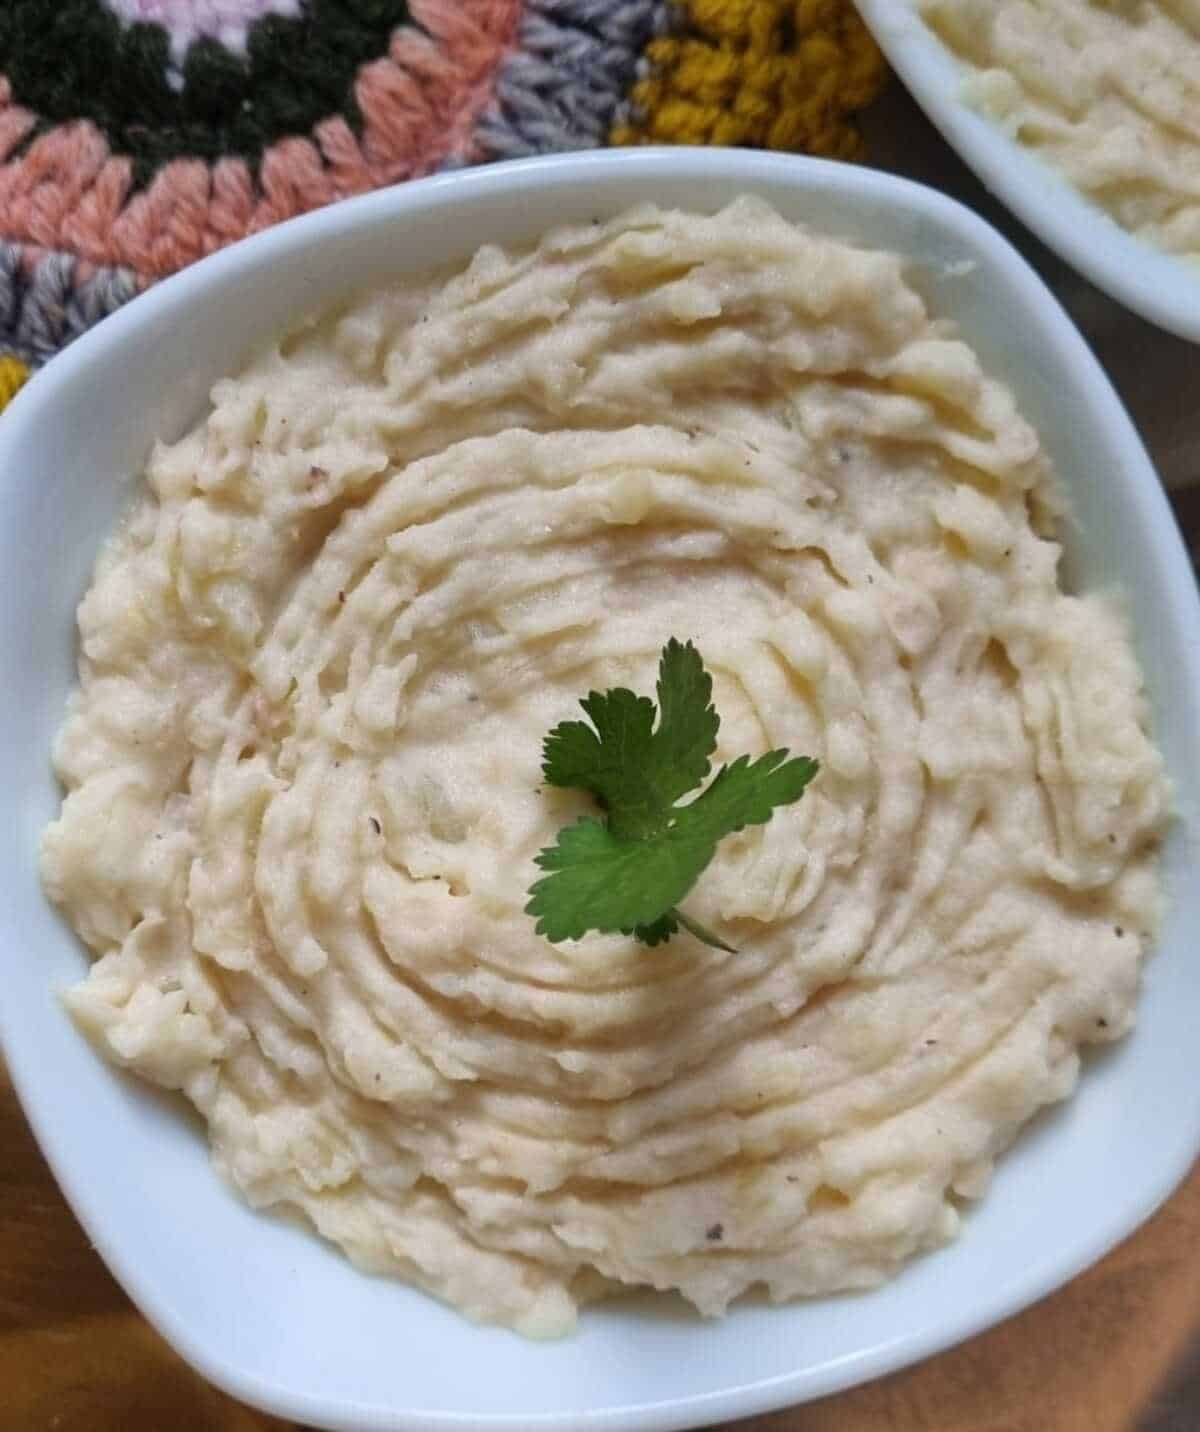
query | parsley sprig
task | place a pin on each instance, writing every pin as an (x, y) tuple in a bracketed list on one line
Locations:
[(628, 871)]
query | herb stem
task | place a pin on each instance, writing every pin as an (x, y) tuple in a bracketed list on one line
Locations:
[(707, 937)]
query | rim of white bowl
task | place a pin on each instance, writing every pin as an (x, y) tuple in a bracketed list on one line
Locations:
[(1175, 577), (1157, 285)]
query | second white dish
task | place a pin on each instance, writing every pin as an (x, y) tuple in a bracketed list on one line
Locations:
[(1159, 286)]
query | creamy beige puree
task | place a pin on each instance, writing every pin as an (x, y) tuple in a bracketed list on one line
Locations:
[(304, 794), (1108, 91)]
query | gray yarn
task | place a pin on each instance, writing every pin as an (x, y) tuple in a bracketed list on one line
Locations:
[(566, 83), (103, 293), (43, 310)]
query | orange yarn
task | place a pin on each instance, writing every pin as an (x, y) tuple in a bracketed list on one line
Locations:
[(774, 74), (13, 374)]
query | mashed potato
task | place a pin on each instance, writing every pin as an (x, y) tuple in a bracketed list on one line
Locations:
[(304, 797), (1108, 91)]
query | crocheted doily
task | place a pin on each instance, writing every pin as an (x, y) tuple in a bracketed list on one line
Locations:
[(139, 135)]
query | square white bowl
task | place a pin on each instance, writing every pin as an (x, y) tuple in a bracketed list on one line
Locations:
[(1163, 287), (263, 1308)]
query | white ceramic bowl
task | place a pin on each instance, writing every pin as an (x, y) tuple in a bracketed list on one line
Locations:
[(1158, 285), (261, 1307)]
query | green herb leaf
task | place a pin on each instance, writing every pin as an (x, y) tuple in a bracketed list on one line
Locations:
[(635, 771), (627, 873)]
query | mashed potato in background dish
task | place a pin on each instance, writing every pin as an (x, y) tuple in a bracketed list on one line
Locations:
[(304, 795), (1108, 91)]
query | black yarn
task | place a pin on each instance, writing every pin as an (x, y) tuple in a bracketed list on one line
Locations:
[(74, 59)]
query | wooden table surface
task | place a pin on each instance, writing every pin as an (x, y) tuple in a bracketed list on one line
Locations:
[(1117, 1350)]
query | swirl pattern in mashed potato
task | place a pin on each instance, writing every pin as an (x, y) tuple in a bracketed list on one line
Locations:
[(1107, 91), (304, 794)]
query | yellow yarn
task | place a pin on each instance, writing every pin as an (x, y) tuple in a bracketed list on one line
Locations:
[(13, 374), (773, 74)]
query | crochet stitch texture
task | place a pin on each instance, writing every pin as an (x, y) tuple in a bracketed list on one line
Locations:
[(136, 136)]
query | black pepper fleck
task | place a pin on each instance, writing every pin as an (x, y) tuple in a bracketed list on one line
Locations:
[(374, 824), (1102, 1024), (930, 1042), (715, 1233), (1119, 931), (342, 597)]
